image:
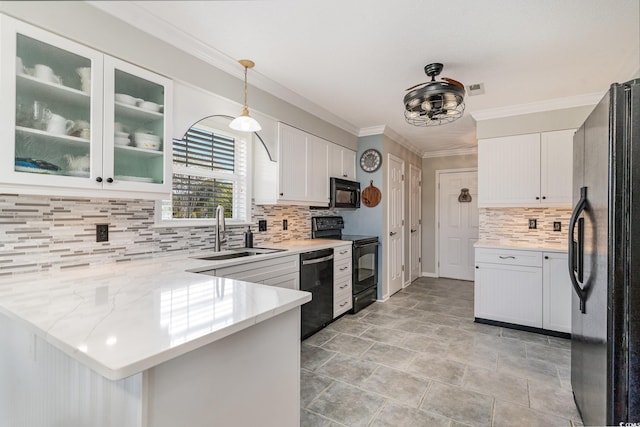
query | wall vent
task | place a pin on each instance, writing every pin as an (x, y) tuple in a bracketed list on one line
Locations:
[(475, 89)]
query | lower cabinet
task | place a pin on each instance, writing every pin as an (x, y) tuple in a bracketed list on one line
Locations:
[(283, 272), (528, 288), (342, 280), (556, 292)]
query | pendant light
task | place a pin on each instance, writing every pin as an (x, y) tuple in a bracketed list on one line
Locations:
[(244, 122)]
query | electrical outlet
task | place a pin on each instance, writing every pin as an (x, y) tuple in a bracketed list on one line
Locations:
[(533, 224), (285, 224), (102, 232), (262, 225), (557, 226)]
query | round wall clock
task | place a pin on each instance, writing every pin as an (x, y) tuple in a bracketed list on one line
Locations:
[(371, 160)]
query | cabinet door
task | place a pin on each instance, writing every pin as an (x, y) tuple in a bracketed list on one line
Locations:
[(289, 281), (335, 161), (349, 164), (507, 293), (317, 170), (137, 140), (509, 171), (51, 109), (292, 155), (556, 293), (556, 167)]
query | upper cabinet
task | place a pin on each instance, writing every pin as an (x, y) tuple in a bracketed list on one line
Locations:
[(300, 175), (76, 121), (342, 162), (526, 170)]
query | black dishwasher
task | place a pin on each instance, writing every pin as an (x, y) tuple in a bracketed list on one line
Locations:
[(316, 276)]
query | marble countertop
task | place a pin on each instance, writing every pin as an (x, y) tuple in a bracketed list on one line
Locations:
[(525, 246), (121, 319)]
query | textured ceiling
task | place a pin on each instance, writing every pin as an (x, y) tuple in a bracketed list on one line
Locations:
[(355, 58)]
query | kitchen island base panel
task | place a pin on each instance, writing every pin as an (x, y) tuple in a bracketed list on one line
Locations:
[(523, 328), (249, 378)]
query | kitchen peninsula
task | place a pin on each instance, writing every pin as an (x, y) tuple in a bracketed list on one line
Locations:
[(148, 343)]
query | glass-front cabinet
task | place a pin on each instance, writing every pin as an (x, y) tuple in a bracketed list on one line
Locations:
[(73, 118)]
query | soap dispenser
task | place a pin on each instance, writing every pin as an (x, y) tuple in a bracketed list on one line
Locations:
[(248, 238)]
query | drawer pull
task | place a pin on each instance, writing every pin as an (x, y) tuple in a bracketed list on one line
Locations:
[(344, 252), (344, 268), (343, 286), (344, 303), (507, 257)]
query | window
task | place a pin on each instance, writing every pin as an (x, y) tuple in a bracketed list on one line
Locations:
[(209, 169)]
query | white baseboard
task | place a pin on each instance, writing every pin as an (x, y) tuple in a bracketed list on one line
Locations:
[(429, 274)]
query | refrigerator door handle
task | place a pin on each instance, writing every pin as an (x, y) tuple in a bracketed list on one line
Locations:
[(576, 249)]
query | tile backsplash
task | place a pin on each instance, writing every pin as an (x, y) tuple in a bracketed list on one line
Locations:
[(511, 225), (42, 233)]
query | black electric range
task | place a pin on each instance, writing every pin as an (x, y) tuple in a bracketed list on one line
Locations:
[(364, 259)]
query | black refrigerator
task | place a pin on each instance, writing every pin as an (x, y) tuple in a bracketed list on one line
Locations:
[(604, 260)]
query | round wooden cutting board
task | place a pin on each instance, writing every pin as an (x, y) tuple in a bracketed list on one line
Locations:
[(371, 196)]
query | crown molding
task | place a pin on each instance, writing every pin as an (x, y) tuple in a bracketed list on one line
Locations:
[(149, 23), (452, 152), (392, 134), (538, 107)]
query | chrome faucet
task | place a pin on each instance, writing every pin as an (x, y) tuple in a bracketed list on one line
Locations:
[(220, 234)]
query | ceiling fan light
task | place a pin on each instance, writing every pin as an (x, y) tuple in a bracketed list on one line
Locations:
[(449, 105), (426, 106), (453, 113), (412, 114)]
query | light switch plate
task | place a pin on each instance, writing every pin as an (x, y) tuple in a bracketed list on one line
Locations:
[(262, 225), (557, 226), (102, 232), (533, 224)]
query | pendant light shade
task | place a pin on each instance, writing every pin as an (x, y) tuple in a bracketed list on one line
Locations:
[(244, 122)]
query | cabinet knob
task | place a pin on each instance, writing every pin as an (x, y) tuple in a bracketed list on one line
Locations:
[(99, 179), (477, 266), (537, 198), (345, 175), (109, 180), (544, 197), (546, 257), (282, 194)]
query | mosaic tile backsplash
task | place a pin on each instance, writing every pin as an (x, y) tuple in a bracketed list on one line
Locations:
[(511, 225), (42, 233)]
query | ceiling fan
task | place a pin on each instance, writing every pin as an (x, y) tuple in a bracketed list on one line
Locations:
[(434, 102)]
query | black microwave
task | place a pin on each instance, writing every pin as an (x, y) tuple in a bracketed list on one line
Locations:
[(344, 194)]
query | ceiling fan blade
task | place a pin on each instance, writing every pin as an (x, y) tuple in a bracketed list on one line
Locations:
[(415, 86), (453, 82)]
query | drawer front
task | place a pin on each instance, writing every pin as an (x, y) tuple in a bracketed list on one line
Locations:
[(259, 271), (342, 268), (342, 285), (509, 257), (342, 252), (342, 305), (289, 281)]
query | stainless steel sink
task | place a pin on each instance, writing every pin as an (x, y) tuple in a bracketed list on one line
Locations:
[(238, 253)]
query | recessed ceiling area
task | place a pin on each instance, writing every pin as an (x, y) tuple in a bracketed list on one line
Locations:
[(354, 59)]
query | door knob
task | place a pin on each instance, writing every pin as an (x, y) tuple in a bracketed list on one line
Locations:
[(413, 230), (392, 233)]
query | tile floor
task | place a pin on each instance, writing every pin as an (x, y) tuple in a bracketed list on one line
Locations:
[(418, 359)]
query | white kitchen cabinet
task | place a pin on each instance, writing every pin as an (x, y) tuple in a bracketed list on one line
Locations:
[(342, 162), (523, 287), (281, 271), (509, 293), (342, 280), (300, 176), (556, 292), (58, 114), (529, 170)]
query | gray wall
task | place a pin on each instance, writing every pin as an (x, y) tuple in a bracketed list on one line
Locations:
[(83, 23), (429, 235)]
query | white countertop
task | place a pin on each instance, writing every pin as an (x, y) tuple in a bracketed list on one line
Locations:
[(121, 319), (524, 246)]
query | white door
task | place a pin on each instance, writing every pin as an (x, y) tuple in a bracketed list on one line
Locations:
[(415, 235), (395, 222), (457, 224)]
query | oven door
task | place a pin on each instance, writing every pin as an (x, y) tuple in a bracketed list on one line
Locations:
[(365, 266)]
